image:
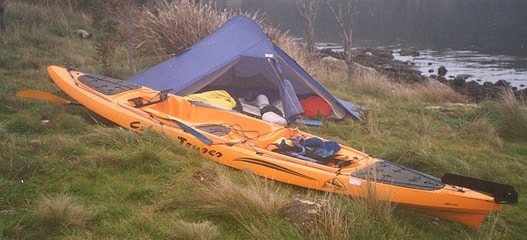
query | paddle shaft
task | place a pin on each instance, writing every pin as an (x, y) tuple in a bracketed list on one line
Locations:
[(50, 98)]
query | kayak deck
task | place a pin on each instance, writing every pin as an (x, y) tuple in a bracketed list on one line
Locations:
[(381, 171)]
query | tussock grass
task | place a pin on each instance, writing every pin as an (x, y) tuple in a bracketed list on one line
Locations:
[(511, 115), (176, 25), (249, 204), (429, 91), (370, 82), (484, 130), (374, 108), (56, 212), (508, 116), (195, 230), (342, 217), (258, 198)]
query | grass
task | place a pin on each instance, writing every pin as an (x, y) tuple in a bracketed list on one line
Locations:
[(60, 211), (66, 173)]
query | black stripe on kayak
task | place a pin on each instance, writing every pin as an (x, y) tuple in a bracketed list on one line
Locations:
[(273, 166)]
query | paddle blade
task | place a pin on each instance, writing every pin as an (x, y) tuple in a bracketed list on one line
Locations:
[(503, 194), (50, 98)]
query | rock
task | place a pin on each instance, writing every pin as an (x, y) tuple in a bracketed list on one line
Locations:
[(488, 84), (475, 90), (333, 63), (409, 52), (206, 176), (501, 83), (303, 213), (442, 71), (458, 82), (463, 76), (83, 34)]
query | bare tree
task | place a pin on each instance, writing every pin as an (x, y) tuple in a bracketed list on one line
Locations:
[(345, 24), (308, 11), (3, 4)]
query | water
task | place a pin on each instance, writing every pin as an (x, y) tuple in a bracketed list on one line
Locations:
[(475, 66), (485, 26)]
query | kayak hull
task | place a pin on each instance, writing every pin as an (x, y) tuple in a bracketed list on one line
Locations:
[(242, 142)]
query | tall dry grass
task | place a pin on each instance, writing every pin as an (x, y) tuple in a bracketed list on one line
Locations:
[(342, 217), (31, 33), (428, 91), (370, 82), (482, 129), (249, 204), (172, 26), (510, 115), (258, 198), (40, 13), (195, 230)]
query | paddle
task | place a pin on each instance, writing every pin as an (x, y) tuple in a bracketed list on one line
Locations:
[(51, 98), (191, 130), (504, 194)]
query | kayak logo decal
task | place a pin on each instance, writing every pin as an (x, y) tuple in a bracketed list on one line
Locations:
[(203, 150), (335, 184), (273, 166), (135, 125)]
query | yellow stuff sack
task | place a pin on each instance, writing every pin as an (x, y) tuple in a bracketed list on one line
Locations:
[(217, 98)]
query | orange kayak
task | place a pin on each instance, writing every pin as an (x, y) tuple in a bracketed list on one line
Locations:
[(243, 142)]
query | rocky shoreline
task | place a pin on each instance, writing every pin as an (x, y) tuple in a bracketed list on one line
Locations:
[(383, 61)]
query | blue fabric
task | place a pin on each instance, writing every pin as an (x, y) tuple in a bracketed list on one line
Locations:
[(290, 104), (237, 55), (323, 149), (310, 149)]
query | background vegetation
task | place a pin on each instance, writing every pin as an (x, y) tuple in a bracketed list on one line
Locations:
[(66, 173)]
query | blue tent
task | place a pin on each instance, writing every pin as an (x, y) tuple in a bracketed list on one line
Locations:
[(239, 58)]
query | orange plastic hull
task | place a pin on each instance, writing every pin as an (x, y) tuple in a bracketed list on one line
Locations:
[(244, 147)]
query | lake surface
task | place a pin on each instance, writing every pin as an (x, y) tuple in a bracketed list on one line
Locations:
[(477, 66)]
